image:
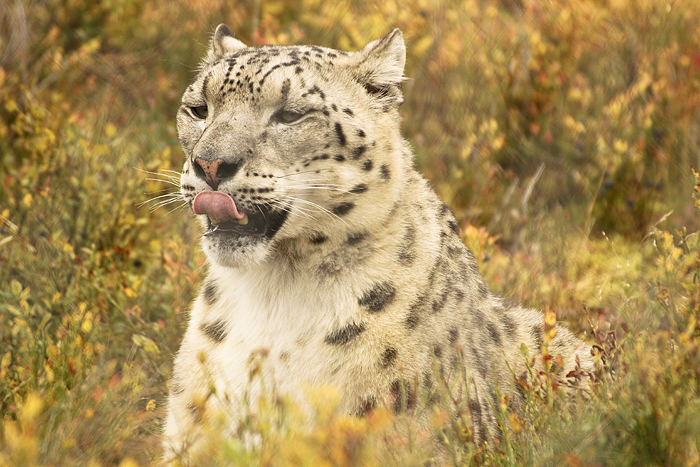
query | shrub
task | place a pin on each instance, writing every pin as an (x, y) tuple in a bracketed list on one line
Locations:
[(561, 133)]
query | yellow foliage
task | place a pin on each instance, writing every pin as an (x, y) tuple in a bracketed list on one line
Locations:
[(603, 94)]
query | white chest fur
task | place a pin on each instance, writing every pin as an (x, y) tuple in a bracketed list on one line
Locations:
[(277, 314)]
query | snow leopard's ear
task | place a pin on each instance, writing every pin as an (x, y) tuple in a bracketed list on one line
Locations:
[(223, 43), (379, 67)]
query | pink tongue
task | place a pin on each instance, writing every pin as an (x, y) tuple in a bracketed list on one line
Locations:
[(217, 205)]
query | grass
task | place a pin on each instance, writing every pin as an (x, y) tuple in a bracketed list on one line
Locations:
[(562, 134)]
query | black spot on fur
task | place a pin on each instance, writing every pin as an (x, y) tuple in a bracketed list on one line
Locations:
[(454, 335), (480, 361), (454, 251), (357, 237), (339, 158), (508, 324), (478, 421), (494, 333), (378, 297), (388, 357), (358, 151), (453, 225), (342, 208), (319, 92), (361, 188), (366, 406), (361, 133), (210, 293), (538, 335), (404, 396), (367, 165), (286, 85), (384, 172), (394, 209), (345, 334), (440, 302), (444, 209), (216, 331), (478, 316), (414, 312), (341, 135), (318, 239), (348, 111), (433, 272), (406, 250)]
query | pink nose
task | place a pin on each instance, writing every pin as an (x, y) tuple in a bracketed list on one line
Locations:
[(210, 169)]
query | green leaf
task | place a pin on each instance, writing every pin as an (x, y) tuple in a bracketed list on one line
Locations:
[(524, 350), (146, 344), (16, 288)]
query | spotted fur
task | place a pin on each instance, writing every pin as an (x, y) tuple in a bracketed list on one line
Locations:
[(350, 272)]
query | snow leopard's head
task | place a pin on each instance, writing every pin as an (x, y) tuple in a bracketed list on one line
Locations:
[(296, 143)]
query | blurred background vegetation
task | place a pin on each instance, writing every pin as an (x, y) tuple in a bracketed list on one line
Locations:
[(562, 133)]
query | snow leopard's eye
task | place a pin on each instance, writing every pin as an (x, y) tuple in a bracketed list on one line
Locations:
[(199, 112), (287, 116)]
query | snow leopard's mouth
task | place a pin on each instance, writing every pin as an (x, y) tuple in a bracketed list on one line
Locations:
[(264, 223), (223, 218)]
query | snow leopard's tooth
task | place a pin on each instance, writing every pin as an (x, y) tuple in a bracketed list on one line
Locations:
[(243, 220), (213, 228)]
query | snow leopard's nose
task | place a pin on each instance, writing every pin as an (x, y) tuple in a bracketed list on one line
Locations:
[(214, 172)]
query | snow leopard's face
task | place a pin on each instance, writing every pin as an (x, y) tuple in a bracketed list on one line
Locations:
[(290, 143)]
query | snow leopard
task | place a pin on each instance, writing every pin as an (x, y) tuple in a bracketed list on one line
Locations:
[(327, 252)]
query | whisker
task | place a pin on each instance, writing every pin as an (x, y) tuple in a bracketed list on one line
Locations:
[(148, 171), (158, 174), (162, 204), (315, 181), (317, 185), (171, 182), (292, 208), (297, 173), (167, 195), (172, 193), (321, 208), (172, 171), (164, 190), (301, 212), (182, 206), (313, 187)]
